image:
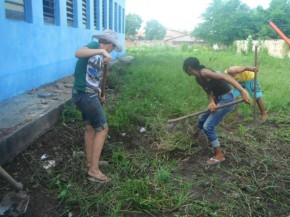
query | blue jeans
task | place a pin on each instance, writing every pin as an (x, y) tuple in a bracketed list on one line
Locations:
[(91, 108), (208, 121)]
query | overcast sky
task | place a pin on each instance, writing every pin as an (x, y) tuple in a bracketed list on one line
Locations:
[(178, 15)]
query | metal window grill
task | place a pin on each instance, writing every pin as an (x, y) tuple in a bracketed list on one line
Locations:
[(116, 17), (123, 20), (84, 13), (48, 11), (110, 14), (96, 14), (70, 12), (119, 19), (104, 15), (14, 9)]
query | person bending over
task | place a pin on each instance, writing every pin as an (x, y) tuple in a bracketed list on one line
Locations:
[(245, 76), (217, 86)]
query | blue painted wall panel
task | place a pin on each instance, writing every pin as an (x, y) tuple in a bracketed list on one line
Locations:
[(33, 54)]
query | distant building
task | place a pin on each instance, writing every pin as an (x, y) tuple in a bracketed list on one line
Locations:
[(172, 37), (176, 37), (39, 38)]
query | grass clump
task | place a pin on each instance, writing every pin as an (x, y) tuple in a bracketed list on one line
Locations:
[(70, 113)]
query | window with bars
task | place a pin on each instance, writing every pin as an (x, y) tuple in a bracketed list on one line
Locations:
[(115, 17), (14, 9), (104, 15), (70, 12), (111, 14), (119, 19), (123, 20), (96, 14), (84, 13), (48, 11)]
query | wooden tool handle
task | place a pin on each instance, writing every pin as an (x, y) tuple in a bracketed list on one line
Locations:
[(104, 79), (202, 112), (17, 185)]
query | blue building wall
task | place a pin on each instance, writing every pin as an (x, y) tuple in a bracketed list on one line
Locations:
[(34, 53)]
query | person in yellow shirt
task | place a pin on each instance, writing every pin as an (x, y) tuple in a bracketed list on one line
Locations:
[(245, 76)]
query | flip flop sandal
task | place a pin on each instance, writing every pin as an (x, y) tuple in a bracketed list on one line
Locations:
[(213, 161), (95, 179)]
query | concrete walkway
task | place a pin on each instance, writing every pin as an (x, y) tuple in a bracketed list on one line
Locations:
[(26, 117)]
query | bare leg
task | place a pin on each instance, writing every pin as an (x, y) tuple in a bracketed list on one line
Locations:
[(262, 109), (218, 154), (235, 111), (89, 138), (97, 146)]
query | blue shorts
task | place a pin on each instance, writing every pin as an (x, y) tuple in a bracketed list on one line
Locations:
[(249, 86), (91, 108)]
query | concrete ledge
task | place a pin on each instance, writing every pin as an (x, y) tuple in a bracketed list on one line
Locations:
[(16, 142), (24, 118)]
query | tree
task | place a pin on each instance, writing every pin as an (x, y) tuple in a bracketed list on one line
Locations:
[(154, 30), (278, 12), (260, 20), (228, 20), (133, 24), (224, 22)]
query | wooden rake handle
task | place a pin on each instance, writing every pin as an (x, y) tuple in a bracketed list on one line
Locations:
[(202, 112), (104, 79), (17, 185)]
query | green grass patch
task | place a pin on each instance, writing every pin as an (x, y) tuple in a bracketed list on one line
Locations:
[(162, 174)]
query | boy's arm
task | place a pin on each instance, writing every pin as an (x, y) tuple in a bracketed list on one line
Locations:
[(86, 52), (234, 70)]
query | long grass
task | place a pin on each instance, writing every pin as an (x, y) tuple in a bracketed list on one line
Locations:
[(164, 174), (160, 88)]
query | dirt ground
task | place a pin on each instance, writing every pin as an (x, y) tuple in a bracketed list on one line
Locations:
[(41, 203), (57, 145)]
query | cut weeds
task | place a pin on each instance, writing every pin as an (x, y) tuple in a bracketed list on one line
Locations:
[(156, 173)]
